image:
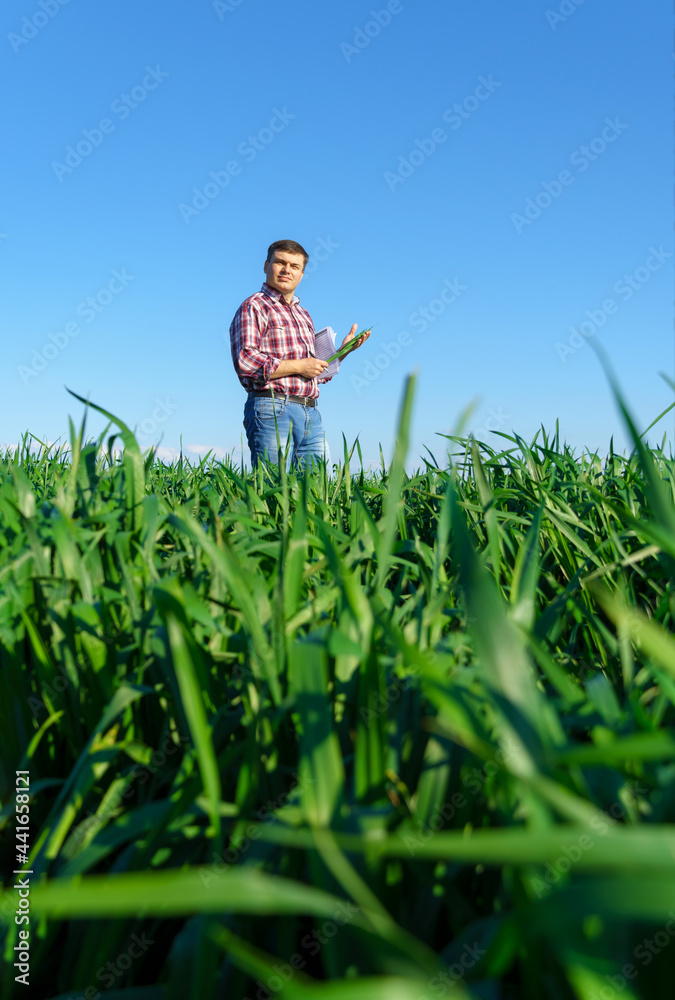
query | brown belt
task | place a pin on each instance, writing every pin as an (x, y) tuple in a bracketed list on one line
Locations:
[(268, 394)]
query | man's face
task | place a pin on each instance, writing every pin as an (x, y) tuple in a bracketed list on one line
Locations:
[(283, 271)]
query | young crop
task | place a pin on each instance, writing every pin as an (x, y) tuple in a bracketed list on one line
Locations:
[(353, 733)]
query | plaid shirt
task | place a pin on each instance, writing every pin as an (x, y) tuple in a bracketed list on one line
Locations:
[(266, 329)]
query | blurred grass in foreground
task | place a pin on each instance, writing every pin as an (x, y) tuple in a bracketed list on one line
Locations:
[(371, 736)]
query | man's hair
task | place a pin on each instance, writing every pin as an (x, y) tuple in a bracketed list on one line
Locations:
[(290, 246)]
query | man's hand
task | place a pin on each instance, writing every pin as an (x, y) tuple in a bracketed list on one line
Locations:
[(305, 367), (350, 336), (310, 367)]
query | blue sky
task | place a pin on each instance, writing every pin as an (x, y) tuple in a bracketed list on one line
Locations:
[(475, 178)]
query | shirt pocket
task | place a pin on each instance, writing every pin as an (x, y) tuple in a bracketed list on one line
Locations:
[(274, 339), (283, 343)]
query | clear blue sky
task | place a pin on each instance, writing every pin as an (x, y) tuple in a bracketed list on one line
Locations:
[(367, 163)]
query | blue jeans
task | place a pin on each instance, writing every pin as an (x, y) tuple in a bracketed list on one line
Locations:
[(304, 423)]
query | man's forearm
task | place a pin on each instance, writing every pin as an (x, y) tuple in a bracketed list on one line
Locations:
[(307, 368), (286, 368)]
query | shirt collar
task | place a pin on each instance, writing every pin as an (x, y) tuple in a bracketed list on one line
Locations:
[(274, 293)]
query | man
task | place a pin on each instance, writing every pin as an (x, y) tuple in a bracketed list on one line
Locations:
[(272, 340)]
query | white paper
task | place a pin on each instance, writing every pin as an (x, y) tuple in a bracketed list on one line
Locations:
[(324, 348)]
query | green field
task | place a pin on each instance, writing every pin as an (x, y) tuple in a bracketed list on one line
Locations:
[(372, 735)]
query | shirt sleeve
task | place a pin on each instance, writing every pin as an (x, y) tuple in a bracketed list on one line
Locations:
[(248, 325)]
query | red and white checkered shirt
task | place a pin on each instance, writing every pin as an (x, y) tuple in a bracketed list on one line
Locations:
[(267, 329)]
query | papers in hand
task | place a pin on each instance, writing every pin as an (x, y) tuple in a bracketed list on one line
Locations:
[(324, 348)]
